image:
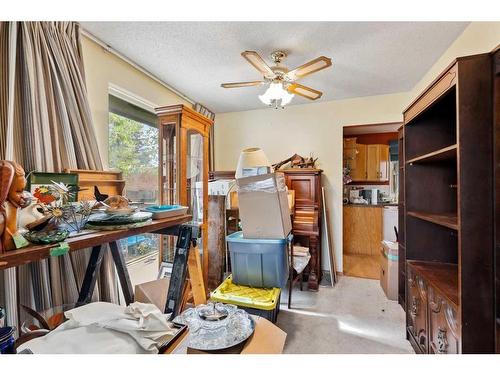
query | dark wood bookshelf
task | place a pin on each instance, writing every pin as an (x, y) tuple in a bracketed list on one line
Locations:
[(448, 220), (446, 153), (496, 148)]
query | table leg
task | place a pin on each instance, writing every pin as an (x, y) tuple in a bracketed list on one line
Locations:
[(313, 276), (123, 275), (90, 275)]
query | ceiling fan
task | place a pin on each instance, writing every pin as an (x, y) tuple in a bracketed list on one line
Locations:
[(282, 82)]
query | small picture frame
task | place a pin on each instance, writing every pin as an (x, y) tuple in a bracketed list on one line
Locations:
[(38, 184)]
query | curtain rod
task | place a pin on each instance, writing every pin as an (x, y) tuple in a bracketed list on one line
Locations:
[(135, 65)]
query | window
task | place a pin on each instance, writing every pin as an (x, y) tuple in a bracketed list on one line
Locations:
[(133, 149)]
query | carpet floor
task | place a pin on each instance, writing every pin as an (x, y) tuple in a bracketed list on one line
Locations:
[(353, 317)]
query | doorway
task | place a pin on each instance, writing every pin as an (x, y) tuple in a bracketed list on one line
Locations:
[(370, 175)]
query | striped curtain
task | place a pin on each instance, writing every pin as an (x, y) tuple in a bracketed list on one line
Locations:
[(211, 147), (46, 125)]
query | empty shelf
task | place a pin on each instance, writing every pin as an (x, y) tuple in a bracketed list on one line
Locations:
[(447, 153), (446, 220)]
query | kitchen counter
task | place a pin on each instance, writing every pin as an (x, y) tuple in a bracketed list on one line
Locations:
[(370, 205)]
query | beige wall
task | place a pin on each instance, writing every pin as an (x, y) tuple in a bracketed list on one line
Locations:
[(304, 129), (103, 68), (317, 127), (478, 37)]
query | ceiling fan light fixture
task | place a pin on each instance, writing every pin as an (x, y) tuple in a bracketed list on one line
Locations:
[(276, 96)]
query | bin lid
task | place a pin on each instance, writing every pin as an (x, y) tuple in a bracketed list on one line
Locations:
[(247, 296), (238, 237), (390, 245)]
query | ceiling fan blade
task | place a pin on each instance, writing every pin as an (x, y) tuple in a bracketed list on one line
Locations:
[(241, 84), (304, 91), (258, 63), (310, 67)]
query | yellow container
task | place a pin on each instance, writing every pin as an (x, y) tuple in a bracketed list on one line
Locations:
[(246, 296)]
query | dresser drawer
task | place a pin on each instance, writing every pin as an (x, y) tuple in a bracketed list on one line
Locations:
[(444, 329), (416, 309)]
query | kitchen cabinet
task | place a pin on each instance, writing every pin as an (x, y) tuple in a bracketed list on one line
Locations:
[(368, 162), (377, 162), (358, 164)]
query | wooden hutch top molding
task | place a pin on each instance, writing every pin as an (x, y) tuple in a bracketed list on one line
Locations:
[(442, 83), (188, 113)]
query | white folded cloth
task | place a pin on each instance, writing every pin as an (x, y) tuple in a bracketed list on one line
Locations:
[(300, 251), (102, 327)]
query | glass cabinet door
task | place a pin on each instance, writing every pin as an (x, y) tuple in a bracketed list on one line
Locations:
[(194, 174), (168, 160), (168, 181)]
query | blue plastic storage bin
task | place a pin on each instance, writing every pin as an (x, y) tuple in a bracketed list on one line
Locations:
[(259, 263)]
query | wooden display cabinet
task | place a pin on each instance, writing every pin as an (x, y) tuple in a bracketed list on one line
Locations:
[(447, 217), (183, 168)]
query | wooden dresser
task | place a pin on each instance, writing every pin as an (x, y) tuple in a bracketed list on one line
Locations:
[(307, 217)]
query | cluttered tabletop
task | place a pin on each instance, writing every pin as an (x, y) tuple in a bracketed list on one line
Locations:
[(86, 239)]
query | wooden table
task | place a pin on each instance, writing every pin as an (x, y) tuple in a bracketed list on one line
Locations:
[(95, 240)]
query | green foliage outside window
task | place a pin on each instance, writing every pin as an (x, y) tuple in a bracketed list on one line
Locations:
[(133, 147)]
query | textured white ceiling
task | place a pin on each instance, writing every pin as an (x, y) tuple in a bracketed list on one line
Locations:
[(369, 58)]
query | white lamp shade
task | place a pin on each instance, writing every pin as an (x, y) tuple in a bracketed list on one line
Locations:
[(251, 158)]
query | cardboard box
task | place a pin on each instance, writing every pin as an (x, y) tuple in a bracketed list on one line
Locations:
[(266, 339), (154, 292), (389, 269), (263, 206)]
